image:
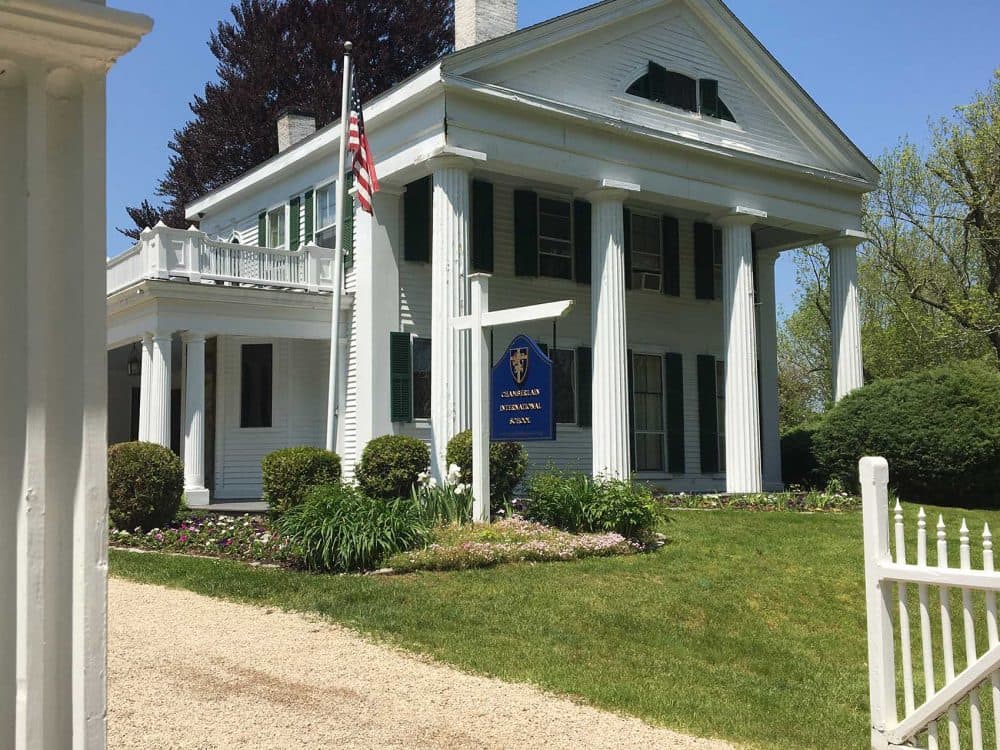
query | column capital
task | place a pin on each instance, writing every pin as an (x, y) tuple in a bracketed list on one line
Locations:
[(193, 337), (848, 239), (452, 157), (739, 216), (161, 335), (612, 190)]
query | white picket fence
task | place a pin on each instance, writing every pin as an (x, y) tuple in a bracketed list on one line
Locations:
[(955, 706)]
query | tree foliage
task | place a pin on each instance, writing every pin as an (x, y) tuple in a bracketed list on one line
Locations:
[(276, 55)]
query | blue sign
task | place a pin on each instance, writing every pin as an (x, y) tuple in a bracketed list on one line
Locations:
[(522, 406)]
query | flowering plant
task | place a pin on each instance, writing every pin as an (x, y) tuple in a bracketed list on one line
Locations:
[(449, 503)]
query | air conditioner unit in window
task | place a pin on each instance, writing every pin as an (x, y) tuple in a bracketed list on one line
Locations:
[(651, 282)]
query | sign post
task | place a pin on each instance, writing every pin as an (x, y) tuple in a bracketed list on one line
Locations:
[(478, 322)]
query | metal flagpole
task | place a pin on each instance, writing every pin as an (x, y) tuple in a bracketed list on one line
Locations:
[(338, 256)]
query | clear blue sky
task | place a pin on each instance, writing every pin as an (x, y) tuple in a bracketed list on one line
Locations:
[(880, 68)]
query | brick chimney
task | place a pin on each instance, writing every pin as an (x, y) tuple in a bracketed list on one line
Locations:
[(293, 127), (478, 21)]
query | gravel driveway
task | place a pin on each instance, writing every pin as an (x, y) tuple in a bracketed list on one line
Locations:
[(186, 671)]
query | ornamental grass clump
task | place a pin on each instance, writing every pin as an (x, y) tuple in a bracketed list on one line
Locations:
[(289, 473), (339, 529), (145, 485)]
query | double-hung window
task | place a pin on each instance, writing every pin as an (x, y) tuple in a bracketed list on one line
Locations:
[(555, 238), (326, 215), (650, 431), (256, 385), (276, 228), (421, 378), (720, 410), (647, 253)]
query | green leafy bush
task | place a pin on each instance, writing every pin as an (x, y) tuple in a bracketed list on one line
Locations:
[(575, 502), (390, 466), (799, 466), (290, 473), (939, 430), (338, 529), (145, 485), (508, 463)]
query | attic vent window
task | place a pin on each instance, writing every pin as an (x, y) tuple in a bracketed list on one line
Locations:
[(678, 90)]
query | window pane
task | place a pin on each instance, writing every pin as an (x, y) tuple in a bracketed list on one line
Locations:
[(327, 238), (326, 209), (256, 386), (647, 374), (421, 378), (558, 267), (554, 207), (276, 228), (556, 227), (555, 247), (720, 397), (649, 452), (564, 368)]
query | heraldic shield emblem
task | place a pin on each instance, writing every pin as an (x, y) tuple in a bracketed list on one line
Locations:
[(519, 359)]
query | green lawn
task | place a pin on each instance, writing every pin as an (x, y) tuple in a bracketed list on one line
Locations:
[(747, 626)]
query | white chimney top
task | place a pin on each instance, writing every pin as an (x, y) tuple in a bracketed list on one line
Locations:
[(478, 21), (294, 127)]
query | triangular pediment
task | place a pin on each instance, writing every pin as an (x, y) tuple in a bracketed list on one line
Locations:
[(588, 60)]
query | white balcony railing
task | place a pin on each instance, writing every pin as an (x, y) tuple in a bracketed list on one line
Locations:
[(164, 253)]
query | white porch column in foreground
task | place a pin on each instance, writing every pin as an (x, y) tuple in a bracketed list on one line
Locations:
[(53, 376), (450, 351), (194, 421), (610, 340), (159, 391), (145, 388), (845, 316), (743, 466), (767, 328)]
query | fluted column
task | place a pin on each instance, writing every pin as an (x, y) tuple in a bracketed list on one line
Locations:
[(145, 389), (610, 433), (450, 350), (767, 327), (194, 421), (845, 316), (743, 466), (159, 391)]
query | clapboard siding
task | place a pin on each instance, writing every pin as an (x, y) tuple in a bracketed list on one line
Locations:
[(594, 73), (657, 324)]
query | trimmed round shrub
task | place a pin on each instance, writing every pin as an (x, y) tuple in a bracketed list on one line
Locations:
[(508, 463), (337, 529), (939, 430), (145, 485), (799, 465), (290, 473), (390, 466)]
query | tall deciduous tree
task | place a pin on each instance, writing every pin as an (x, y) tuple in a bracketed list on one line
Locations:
[(280, 54)]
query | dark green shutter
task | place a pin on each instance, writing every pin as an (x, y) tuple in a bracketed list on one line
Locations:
[(294, 217), (674, 368), (348, 222), (417, 213), (525, 233), (584, 386), (631, 412), (582, 240), (482, 226), (708, 415), (709, 97), (671, 256), (627, 237), (261, 230), (309, 221), (704, 261), (401, 377)]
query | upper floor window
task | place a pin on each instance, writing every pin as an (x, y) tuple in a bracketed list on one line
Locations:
[(647, 253), (555, 238), (276, 228), (678, 90), (326, 215)]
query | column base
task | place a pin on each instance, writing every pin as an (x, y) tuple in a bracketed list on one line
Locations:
[(197, 497)]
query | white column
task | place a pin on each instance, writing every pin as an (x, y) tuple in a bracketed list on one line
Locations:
[(480, 396), (743, 466), (611, 417), (767, 327), (450, 350), (845, 316), (194, 421), (145, 387), (159, 391)]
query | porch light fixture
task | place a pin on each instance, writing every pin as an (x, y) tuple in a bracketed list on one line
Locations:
[(134, 365)]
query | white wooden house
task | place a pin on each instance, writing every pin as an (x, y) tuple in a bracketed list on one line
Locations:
[(648, 159)]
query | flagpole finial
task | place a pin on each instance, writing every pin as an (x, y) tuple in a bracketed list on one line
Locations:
[(348, 46)]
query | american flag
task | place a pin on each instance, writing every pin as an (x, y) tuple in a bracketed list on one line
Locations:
[(364, 163)]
